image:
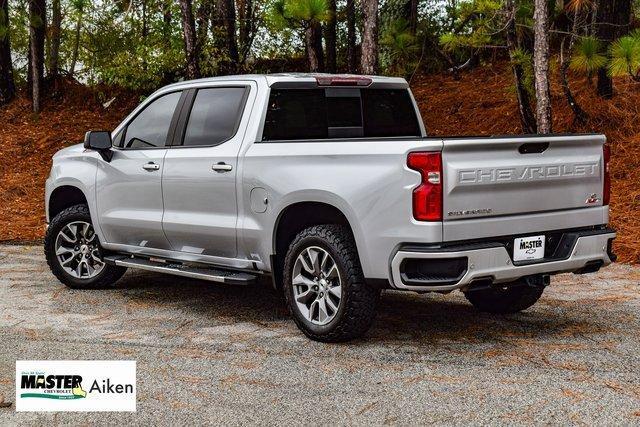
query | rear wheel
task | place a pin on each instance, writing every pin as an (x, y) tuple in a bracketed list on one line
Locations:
[(74, 254), (324, 285), (510, 298)]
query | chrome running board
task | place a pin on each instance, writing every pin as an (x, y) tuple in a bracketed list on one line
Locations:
[(211, 274)]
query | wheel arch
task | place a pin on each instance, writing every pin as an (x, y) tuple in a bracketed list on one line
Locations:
[(296, 217), (64, 197)]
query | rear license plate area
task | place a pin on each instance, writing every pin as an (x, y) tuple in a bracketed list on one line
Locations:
[(528, 248)]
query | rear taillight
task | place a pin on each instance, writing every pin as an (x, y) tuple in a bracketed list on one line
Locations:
[(427, 197), (606, 186)]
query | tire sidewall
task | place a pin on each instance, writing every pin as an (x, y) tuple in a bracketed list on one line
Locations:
[(58, 223), (290, 260)]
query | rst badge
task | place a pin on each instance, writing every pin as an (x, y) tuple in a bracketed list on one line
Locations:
[(75, 385), (592, 199)]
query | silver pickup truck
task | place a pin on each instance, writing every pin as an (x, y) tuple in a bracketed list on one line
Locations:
[(330, 185)]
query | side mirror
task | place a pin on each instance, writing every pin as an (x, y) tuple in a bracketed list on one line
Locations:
[(99, 140)]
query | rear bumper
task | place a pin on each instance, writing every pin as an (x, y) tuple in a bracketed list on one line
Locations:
[(454, 267)]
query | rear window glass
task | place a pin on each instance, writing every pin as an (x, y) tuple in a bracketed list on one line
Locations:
[(344, 112), (296, 114), (389, 113), (303, 114)]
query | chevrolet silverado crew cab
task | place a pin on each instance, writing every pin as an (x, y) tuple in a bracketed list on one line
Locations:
[(330, 185)]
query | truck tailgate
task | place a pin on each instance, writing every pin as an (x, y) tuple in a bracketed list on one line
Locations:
[(507, 178)]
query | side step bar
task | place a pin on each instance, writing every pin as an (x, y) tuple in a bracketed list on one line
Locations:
[(210, 274)]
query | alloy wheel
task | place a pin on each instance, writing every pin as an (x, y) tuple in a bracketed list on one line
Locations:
[(317, 286), (77, 250)]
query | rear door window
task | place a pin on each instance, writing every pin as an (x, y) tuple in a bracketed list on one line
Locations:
[(215, 116), (332, 113)]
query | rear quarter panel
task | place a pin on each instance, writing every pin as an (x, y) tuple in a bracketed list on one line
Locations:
[(368, 181)]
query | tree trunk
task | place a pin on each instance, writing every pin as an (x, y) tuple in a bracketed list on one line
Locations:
[(189, 36), (411, 15), (145, 33), (145, 25), (527, 118), (351, 36), (370, 37), (247, 27), (245, 8), (76, 45), (227, 10), (330, 37), (7, 85), (202, 23), (579, 114), (166, 24), (37, 28), (29, 68), (541, 66), (54, 54), (612, 21), (313, 41)]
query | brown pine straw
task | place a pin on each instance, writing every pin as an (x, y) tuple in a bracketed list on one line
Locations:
[(482, 103)]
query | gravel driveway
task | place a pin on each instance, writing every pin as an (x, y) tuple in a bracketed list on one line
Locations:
[(210, 353)]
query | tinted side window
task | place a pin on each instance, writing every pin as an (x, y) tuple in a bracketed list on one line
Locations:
[(296, 114), (389, 112), (151, 126), (214, 116)]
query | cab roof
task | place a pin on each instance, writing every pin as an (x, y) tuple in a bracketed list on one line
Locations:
[(301, 80)]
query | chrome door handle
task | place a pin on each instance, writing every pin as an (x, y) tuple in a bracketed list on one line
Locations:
[(221, 167), (151, 166)]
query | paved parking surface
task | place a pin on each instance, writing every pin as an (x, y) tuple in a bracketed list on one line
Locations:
[(210, 353)]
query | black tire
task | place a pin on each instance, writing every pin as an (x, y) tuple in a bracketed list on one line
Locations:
[(359, 300), (511, 298), (104, 280)]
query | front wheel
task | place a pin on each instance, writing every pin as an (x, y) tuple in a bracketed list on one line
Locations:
[(74, 253), (324, 285)]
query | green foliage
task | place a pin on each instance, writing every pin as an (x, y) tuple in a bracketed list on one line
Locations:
[(276, 17), (588, 55), (625, 55), (449, 41), (400, 45), (78, 5), (478, 23), (287, 13), (525, 60), (307, 10)]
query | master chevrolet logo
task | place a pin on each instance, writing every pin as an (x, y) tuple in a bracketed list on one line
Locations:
[(52, 386), (528, 173)]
